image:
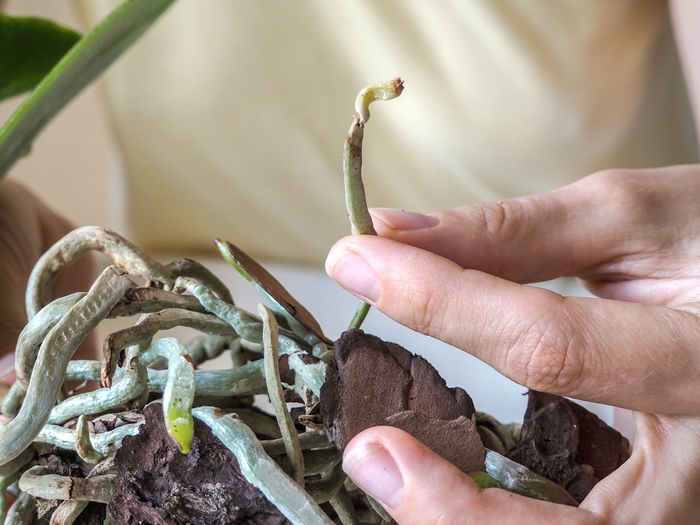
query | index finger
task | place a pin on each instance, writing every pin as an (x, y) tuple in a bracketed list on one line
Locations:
[(612, 225), (641, 357)]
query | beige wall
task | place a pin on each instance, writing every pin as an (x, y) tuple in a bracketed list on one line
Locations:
[(69, 166)]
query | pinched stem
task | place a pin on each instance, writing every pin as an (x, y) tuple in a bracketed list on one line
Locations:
[(360, 219), (355, 199), (384, 91)]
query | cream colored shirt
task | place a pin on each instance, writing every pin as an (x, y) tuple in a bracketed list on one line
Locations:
[(232, 114)]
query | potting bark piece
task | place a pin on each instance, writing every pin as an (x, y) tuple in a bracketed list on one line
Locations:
[(567, 444), (273, 287), (456, 440), (599, 446), (159, 485), (370, 380)]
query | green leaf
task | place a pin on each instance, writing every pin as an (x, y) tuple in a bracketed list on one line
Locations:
[(30, 48), (91, 55)]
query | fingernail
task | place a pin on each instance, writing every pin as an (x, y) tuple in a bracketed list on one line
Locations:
[(404, 220), (374, 470), (351, 272)]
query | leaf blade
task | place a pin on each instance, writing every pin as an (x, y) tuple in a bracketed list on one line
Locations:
[(31, 48), (91, 55)]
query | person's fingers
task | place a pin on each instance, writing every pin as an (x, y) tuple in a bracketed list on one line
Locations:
[(609, 226), (418, 487), (625, 354)]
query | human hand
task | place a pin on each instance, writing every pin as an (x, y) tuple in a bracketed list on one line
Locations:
[(633, 237), (27, 228)]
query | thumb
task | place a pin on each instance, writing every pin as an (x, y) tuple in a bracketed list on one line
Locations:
[(416, 486)]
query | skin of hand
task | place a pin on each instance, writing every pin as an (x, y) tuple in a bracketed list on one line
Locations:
[(633, 237), (27, 228)]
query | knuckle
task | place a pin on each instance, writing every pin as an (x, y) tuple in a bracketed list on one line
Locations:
[(502, 220), (550, 355), (427, 311), (621, 186)]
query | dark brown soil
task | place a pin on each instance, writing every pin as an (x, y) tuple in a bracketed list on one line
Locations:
[(158, 485)]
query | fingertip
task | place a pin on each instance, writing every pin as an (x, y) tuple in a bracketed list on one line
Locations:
[(408, 479), (351, 271), (334, 254), (371, 465)]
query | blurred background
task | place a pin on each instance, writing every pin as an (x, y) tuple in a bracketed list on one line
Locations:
[(228, 118)]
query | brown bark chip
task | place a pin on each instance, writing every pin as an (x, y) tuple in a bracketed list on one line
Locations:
[(456, 440), (567, 444), (371, 380), (158, 485)]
